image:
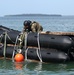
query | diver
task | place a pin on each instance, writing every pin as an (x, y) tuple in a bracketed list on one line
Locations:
[(29, 26)]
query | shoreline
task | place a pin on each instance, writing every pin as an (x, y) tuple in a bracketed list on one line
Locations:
[(53, 15)]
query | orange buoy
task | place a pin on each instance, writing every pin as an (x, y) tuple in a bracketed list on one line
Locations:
[(19, 57)]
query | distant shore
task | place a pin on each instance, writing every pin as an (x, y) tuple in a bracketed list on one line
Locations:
[(53, 15)]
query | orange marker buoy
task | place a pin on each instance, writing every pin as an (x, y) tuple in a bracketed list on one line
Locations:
[(19, 57)]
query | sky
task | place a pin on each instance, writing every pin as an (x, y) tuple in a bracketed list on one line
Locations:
[(13, 7)]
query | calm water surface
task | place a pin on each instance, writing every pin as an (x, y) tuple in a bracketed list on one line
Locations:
[(7, 67), (64, 23)]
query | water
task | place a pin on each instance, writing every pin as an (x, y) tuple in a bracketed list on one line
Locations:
[(7, 67), (64, 23)]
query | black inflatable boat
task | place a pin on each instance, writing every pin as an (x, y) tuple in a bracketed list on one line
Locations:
[(11, 35), (52, 48), (47, 55), (58, 42)]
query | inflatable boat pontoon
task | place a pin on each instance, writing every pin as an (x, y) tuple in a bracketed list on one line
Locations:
[(49, 47)]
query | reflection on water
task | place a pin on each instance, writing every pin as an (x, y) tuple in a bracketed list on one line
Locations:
[(18, 65), (7, 67)]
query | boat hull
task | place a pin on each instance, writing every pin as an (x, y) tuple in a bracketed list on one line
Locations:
[(10, 35), (53, 48), (58, 42), (47, 55)]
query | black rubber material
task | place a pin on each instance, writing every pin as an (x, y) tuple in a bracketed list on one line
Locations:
[(53, 48), (11, 35), (48, 55), (58, 42)]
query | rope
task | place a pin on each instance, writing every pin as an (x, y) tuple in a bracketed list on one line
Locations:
[(26, 49), (5, 37), (26, 53), (26, 40), (20, 49), (14, 49), (4, 52), (10, 38), (38, 50), (1, 36), (1, 44)]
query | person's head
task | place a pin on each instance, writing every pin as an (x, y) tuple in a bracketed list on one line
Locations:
[(27, 25)]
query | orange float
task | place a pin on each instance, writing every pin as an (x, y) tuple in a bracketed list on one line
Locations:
[(19, 57)]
